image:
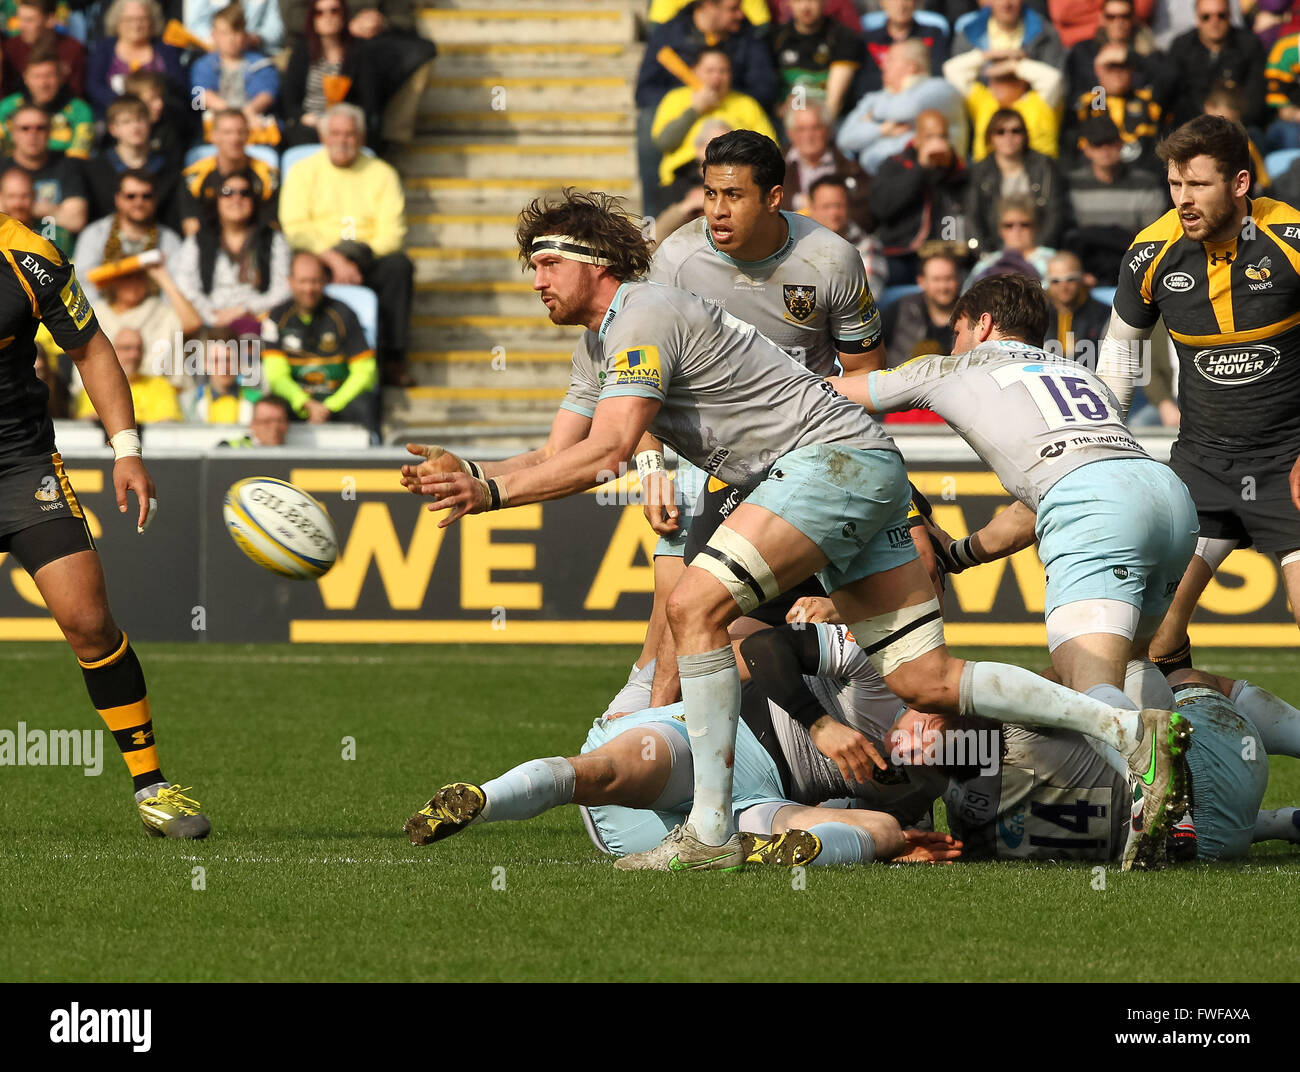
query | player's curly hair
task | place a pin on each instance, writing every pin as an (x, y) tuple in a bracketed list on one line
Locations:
[(596, 219)]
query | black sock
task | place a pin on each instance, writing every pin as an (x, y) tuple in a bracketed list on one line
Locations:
[(116, 685)]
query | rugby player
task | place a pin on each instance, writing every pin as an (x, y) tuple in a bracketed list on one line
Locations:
[(1054, 798), (633, 779), (1223, 270), (799, 283), (1115, 527), (44, 527), (834, 500)]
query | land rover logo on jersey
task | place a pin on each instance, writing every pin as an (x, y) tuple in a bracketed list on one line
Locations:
[(800, 300), (1178, 282), (49, 490), (1237, 364)]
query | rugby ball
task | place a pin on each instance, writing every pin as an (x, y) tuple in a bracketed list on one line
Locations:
[(280, 527)]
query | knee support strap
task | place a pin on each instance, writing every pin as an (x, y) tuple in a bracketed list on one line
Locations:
[(736, 563), (890, 640)]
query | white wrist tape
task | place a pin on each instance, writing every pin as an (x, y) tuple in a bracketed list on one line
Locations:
[(649, 461), (125, 444)]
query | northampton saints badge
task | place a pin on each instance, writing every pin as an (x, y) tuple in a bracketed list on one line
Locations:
[(800, 300)]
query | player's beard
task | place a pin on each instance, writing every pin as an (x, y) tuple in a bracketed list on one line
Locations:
[(570, 310), (1212, 223)]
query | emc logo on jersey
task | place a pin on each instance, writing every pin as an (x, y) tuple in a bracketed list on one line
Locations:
[(800, 300)]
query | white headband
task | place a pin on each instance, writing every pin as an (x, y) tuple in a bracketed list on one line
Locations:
[(568, 247)]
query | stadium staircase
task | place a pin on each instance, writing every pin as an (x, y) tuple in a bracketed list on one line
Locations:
[(524, 97)]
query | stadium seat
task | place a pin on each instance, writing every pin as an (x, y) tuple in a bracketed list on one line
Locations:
[(1279, 161), (292, 155), (199, 152), (269, 156), (362, 301), (964, 22), (1105, 295), (891, 294), (875, 20)]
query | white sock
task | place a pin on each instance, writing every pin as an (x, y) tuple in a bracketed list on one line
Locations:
[(1277, 721), (1012, 694), (528, 790), (1146, 686), (711, 704), (1283, 824)]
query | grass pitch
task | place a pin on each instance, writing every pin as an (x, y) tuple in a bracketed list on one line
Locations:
[(307, 875)]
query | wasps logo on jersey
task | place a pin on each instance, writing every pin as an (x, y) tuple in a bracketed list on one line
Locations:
[(1259, 271), (1233, 314)]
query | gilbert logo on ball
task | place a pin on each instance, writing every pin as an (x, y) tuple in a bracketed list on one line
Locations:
[(280, 527)]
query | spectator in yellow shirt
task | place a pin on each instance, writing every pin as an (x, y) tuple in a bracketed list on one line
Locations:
[(154, 397), (684, 110), (1027, 86), (349, 210)]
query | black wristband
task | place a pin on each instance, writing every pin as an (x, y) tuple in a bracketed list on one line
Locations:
[(475, 470), (962, 553), (495, 495)]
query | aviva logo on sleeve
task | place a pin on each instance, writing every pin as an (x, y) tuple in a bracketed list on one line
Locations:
[(74, 300), (637, 367)]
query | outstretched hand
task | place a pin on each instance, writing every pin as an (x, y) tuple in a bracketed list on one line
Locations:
[(458, 492), (928, 847), (437, 460)]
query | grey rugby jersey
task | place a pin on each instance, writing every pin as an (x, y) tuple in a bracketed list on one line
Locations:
[(1032, 416), (732, 401), (811, 297)]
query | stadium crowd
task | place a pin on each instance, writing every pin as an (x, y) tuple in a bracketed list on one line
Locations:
[(1006, 136), (196, 159), (937, 136)]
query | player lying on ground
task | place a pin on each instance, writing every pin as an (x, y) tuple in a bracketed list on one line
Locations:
[(1115, 527), (633, 782), (1055, 798), (1045, 795), (831, 496), (1223, 272), (43, 525)]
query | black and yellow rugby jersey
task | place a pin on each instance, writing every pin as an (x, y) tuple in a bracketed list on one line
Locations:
[(36, 284), (1233, 313)]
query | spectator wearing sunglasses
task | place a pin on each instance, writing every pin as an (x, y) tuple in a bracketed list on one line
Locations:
[(1020, 252), (235, 267), (1011, 168), (1216, 51), (1118, 23), (1076, 320), (204, 178), (58, 181), (131, 229)]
